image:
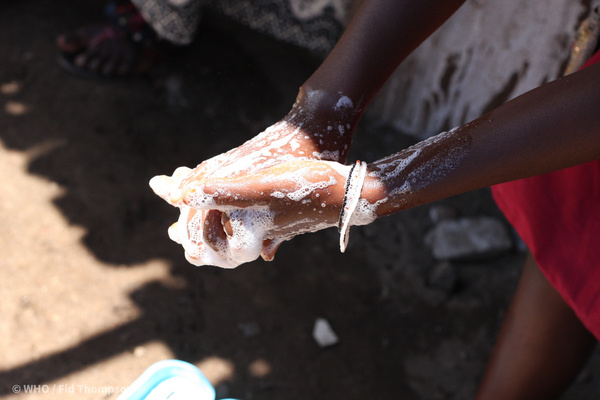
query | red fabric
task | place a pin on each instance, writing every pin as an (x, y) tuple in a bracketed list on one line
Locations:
[(593, 60), (558, 216)]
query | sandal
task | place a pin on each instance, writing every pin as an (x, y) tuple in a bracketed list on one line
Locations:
[(125, 45)]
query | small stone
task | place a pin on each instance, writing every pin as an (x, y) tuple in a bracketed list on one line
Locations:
[(139, 351), (323, 333), (468, 238)]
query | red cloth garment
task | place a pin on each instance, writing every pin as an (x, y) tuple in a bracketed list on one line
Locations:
[(558, 216)]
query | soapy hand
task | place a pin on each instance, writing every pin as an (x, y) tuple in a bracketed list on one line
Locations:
[(231, 220), (300, 195), (305, 134), (319, 127)]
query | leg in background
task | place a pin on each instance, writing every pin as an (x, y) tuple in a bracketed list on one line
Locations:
[(541, 347)]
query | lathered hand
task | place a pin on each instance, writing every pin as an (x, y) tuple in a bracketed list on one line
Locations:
[(228, 221)]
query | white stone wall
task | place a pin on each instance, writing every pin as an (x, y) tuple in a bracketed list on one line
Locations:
[(488, 52)]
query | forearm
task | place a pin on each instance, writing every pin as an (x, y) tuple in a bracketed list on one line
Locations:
[(549, 128), (379, 37)]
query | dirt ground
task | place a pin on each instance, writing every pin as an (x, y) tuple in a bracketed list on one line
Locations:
[(93, 291)]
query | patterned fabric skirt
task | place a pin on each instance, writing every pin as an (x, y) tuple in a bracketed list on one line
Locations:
[(313, 24)]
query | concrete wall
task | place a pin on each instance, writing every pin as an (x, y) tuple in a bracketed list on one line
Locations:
[(488, 52)]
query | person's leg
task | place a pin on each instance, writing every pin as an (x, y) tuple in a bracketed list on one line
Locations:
[(541, 347)]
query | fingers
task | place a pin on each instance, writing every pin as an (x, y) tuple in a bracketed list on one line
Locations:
[(214, 233), (215, 238), (269, 249), (191, 234), (162, 186), (175, 195), (204, 169), (282, 184), (174, 233), (181, 173), (225, 193), (260, 188), (225, 221), (208, 193), (219, 245), (168, 187)]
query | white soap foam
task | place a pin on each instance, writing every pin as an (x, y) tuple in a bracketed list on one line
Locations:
[(344, 102), (422, 173), (308, 187), (250, 226), (365, 212), (244, 245), (249, 230), (330, 155)]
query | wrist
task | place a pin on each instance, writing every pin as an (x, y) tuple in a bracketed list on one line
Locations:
[(325, 105), (327, 119), (374, 195)]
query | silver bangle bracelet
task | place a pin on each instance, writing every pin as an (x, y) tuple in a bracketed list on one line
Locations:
[(354, 184)]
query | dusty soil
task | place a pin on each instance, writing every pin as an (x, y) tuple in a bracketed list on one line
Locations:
[(93, 291)]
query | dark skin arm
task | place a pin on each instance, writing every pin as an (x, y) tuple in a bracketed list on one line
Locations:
[(317, 127), (552, 127), (549, 128), (356, 70), (379, 37)]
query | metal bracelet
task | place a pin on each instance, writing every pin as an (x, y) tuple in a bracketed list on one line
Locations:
[(354, 184)]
